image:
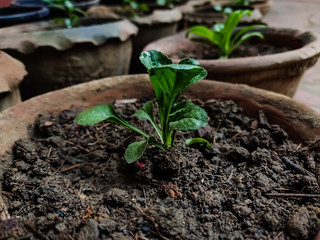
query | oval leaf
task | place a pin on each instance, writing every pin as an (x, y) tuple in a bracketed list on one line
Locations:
[(135, 150), (153, 58), (98, 114), (190, 61), (191, 117)]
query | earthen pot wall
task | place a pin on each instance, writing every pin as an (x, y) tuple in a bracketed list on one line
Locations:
[(279, 72), (11, 75), (301, 122), (56, 58)]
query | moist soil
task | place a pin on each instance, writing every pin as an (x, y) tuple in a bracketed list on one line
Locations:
[(72, 182), (247, 49)]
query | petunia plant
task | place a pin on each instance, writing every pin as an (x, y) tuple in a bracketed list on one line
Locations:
[(169, 81)]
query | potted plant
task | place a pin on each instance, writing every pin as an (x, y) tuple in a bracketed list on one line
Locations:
[(154, 22), (11, 75), (278, 70), (217, 12), (73, 181), (56, 56)]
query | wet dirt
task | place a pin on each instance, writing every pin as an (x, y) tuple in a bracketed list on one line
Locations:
[(72, 182)]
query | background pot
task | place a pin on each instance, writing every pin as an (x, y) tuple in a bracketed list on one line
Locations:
[(301, 122), (15, 15), (208, 16), (56, 58), (11, 75), (279, 72), (160, 23)]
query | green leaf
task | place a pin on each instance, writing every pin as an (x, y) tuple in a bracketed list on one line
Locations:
[(188, 116), (202, 31), (197, 142), (153, 58), (147, 112), (246, 37), (172, 80), (244, 30), (104, 112), (161, 2), (190, 61), (69, 4), (135, 150)]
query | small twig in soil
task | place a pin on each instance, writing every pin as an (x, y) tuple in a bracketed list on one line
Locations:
[(231, 174), (4, 214), (236, 135), (297, 167), (78, 146), (298, 195), (282, 189), (49, 152), (278, 235), (69, 168)]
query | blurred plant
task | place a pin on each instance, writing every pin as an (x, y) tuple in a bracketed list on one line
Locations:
[(222, 34), (244, 3), (72, 13), (169, 3), (132, 8)]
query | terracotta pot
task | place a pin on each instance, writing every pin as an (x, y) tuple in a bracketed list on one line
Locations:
[(279, 72), (301, 122), (160, 23), (208, 16), (11, 75), (57, 58)]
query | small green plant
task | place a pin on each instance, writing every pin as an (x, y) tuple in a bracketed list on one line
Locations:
[(222, 34), (72, 13), (243, 3), (168, 3), (169, 81), (132, 8)]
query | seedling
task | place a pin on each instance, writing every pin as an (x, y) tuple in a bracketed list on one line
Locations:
[(169, 81), (221, 35), (72, 12), (168, 3)]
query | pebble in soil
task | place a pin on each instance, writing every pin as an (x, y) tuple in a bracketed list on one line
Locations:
[(70, 181)]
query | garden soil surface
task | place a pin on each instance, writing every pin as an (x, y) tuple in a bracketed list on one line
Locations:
[(247, 49), (72, 182)]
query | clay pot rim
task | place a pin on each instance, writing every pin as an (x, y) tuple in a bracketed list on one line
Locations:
[(302, 121), (308, 51), (26, 38)]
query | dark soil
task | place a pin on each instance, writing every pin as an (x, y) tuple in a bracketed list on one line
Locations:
[(72, 182), (247, 49)]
